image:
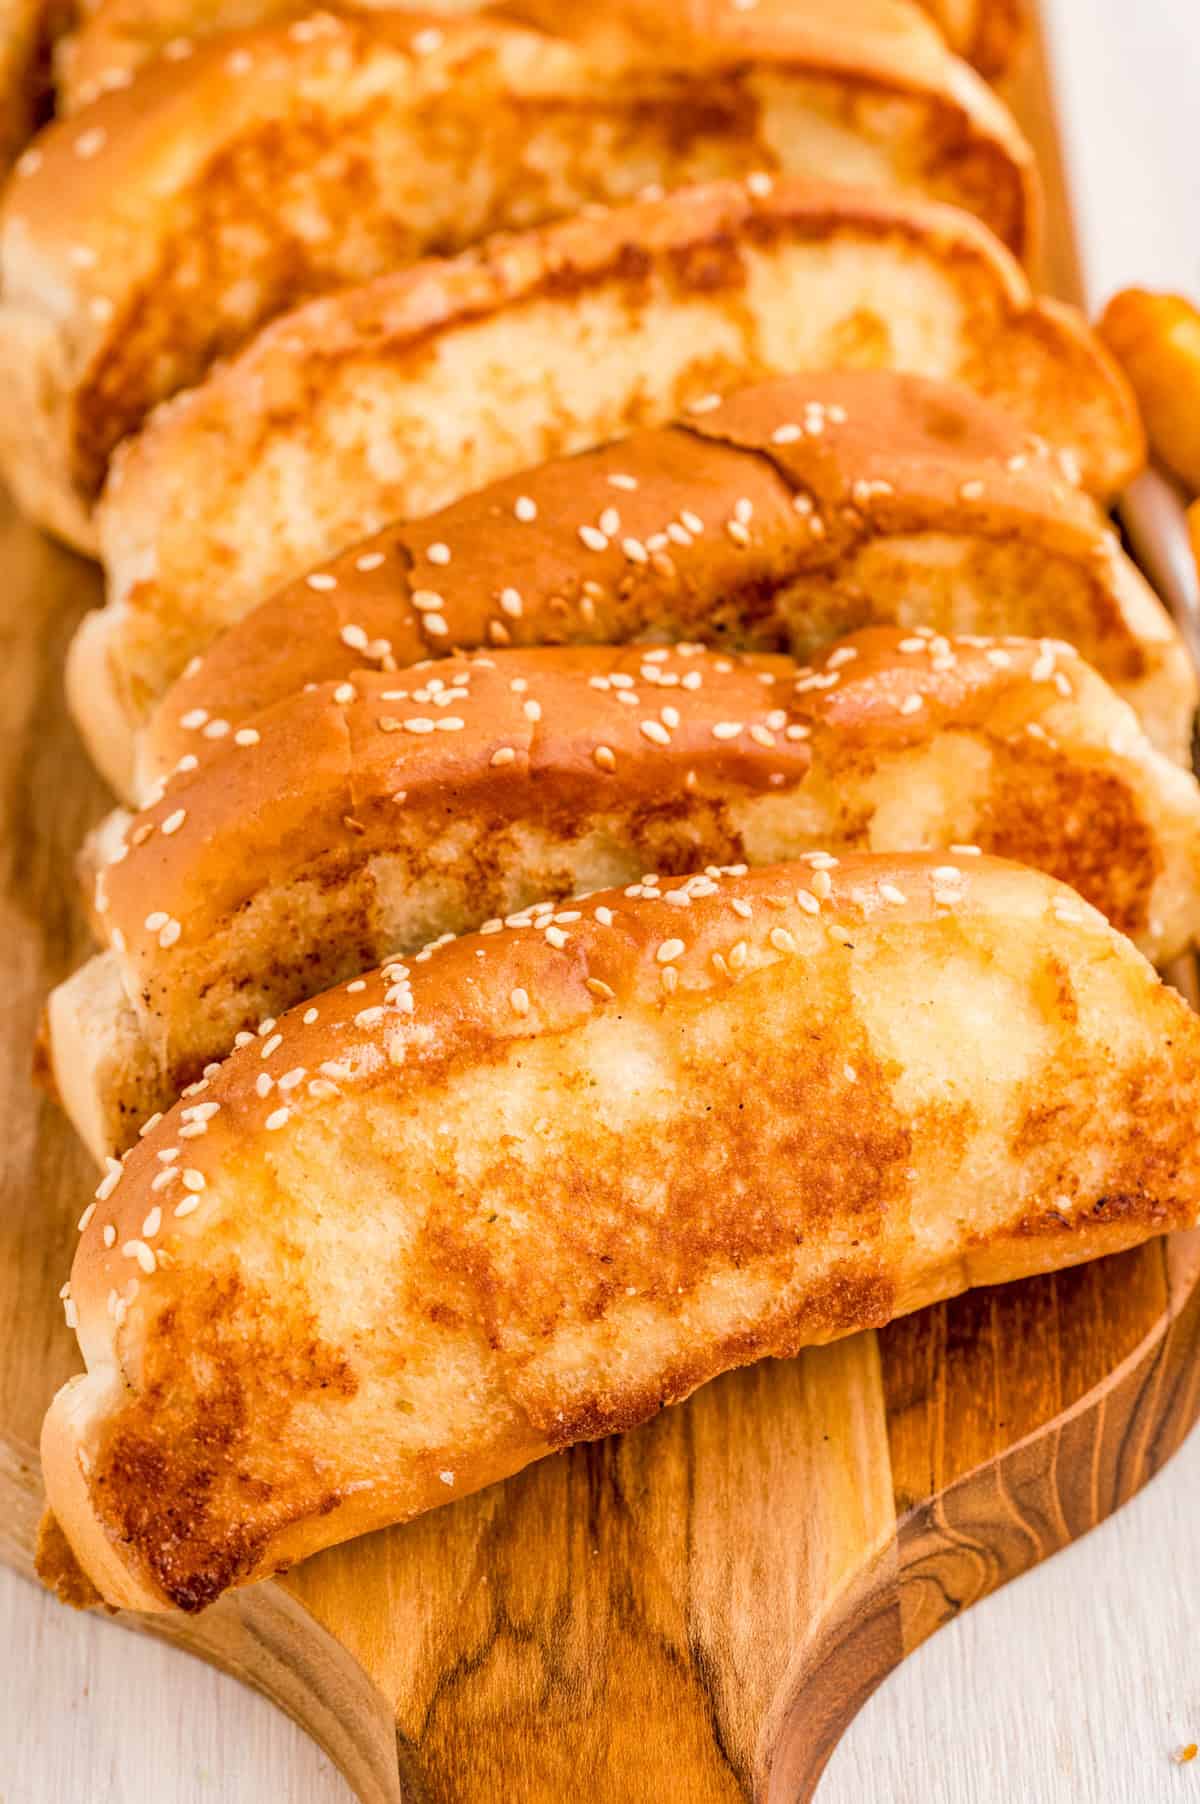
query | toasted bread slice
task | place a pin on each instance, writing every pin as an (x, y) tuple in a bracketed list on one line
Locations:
[(118, 36), (537, 1184), (359, 819), (392, 400), (794, 512), (168, 222)]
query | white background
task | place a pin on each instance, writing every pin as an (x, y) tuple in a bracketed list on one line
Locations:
[(1076, 1683)]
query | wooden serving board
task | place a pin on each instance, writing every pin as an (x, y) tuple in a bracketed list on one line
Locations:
[(694, 1612)]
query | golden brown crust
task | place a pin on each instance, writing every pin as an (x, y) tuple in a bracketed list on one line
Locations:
[(1156, 340), (169, 220), (922, 496), (400, 1254), (118, 36), (391, 400), (352, 827)]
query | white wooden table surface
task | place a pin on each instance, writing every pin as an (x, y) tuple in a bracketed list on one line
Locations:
[(1079, 1681)]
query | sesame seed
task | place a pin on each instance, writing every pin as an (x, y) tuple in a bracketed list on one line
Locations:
[(321, 579), (593, 538), (170, 933), (246, 736), (605, 757), (193, 1180), (947, 873), (309, 1016), (525, 509), (759, 184), (967, 851), (503, 754), (86, 1217), (447, 1478), (276, 1119), (435, 624), (110, 1234), (438, 553), (737, 532), (186, 1206), (425, 42), (520, 1001), (152, 1223), (370, 560), (912, 704), (782, 940), (727, 729), (137, 1249), (88, 143), (704, 404), (635, 551), (655, 731), (668, 950), (808, 902), (270, 1045), (216, 729), (970, 491), (822, 884), (450, 723), (618, 480), (890, 893), (604, 916), (610, 522)]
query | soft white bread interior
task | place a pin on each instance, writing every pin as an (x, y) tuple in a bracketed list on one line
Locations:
[(366, 817), (783, 517), (536, 1184), (172, 218), (392, 400)]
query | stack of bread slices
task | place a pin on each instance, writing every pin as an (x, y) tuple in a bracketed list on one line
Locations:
[(649, 794)]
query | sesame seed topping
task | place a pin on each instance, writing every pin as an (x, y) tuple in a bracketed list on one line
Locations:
[(152, 1223), (247, 736), (193, 1180), (86, 1217), (88, 143), (503, 754), (655, 732), (610, 522), (808, 902), (593, 538), (668, 950), (186, 1205), (321, 579), (425, 42), (520, 1001), (618, 480), (369, 560), (276, 1119), (110, 1234), (912, 704), (447, 1478), (270, 1045), (970, 491), (605, 757), (137, 1249), (737, 532), (704, 404)]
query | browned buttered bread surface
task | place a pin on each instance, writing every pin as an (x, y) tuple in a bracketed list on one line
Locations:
[(530, 1186), (361, 818), (166, 222), (778, 518), (392, 400)]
